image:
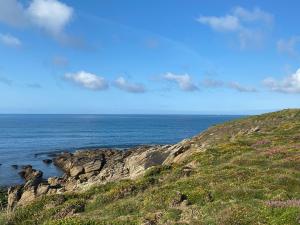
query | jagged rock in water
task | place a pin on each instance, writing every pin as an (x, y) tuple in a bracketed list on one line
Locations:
[(47, 161), (15, 167), (30, 174)]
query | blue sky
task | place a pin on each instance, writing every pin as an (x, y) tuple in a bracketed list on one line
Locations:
[(171, 56)]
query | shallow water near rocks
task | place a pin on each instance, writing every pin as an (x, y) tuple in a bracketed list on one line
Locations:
[(28, 139)]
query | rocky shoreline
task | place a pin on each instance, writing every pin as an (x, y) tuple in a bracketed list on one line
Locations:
[(85, 168)]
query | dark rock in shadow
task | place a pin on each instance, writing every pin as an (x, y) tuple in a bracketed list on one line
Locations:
[(15, 167), (47, 161), (28, 173)]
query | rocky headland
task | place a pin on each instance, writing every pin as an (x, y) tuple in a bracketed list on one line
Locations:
[(241, 172)]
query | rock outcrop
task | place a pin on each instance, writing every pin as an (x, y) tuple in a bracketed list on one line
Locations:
[(33, 187), (85, 168)]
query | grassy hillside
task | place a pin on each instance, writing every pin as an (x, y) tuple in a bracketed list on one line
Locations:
[(241, 172)]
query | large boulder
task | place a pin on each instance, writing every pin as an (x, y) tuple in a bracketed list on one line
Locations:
[(28, 195), (76, 170), (64, 161), (92, 166), (139, 161)]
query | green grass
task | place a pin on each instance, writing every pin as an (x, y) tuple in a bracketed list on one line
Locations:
[(236, 175)]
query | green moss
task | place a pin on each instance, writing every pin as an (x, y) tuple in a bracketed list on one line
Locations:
[(172, 215)]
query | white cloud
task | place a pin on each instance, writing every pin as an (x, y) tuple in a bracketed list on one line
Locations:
[(87, 80), (289, 84), (10, 40), (184, 81), (225, 23), (51, 16), (249, 26), (237, 86), (289, 45), (124, 85), (255, 15)]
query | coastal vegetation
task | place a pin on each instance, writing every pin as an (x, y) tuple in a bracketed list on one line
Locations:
[(3, 198), (243, 172)]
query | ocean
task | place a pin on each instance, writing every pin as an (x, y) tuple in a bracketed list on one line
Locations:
[(28, 139)]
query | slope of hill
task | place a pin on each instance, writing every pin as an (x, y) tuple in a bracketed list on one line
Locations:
[(245, 171)]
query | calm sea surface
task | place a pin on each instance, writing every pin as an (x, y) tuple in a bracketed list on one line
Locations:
[(28, 139)]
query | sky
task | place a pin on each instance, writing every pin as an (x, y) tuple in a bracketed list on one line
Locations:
[(149, 56)]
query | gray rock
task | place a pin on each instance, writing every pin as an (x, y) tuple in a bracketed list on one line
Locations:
[(76, 170), (55, 181), (28, 195), (86, 176), (42, 189), (14, 195), (29, 174), (92, 166)]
